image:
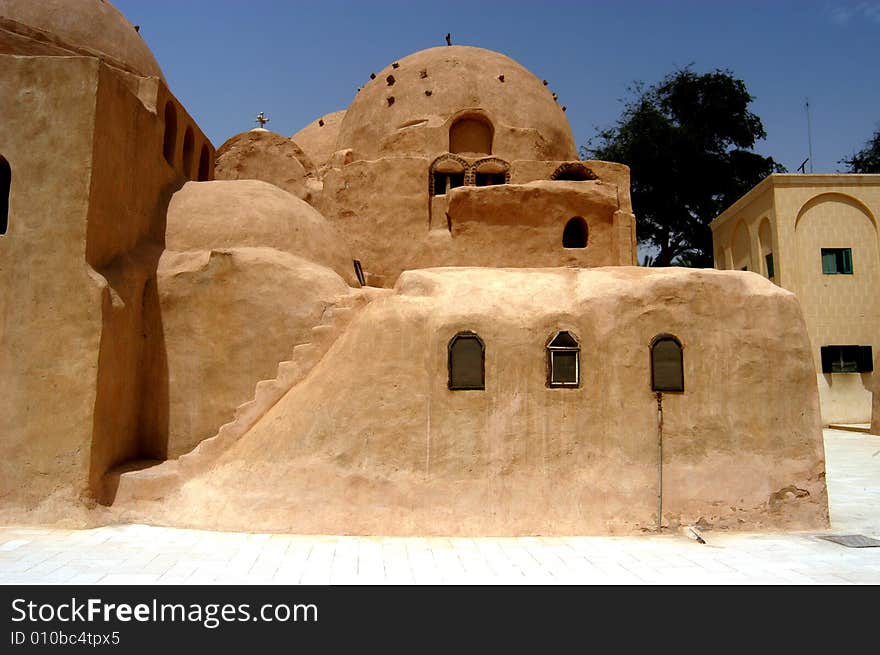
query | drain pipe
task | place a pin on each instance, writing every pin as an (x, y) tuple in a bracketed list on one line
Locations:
[(659, 461)]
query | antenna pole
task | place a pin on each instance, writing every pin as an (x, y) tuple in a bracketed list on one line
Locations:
[(809, 133)]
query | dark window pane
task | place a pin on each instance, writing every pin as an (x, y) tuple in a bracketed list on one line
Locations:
[(846, 261), (666, 362), (466, 363), (847, 359), (564, 367), (837, 260), (829, 262), (768, 258), (575, 233)]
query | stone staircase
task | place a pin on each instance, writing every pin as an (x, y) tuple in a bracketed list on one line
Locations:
[(152, 480)]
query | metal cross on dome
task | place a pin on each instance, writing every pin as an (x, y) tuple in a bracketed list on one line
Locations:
[(262, 119)]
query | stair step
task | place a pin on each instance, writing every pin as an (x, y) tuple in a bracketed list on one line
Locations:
[(322, 334)]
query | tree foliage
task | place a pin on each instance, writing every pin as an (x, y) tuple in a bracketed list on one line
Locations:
[(687, 141), (866, 160)]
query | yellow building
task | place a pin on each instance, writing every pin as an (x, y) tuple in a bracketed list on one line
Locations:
[(816, 235)]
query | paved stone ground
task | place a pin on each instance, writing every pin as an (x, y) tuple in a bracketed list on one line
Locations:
[(138, 554)]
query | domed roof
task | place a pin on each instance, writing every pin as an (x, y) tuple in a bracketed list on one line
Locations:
[(407, 109), (75, 27)]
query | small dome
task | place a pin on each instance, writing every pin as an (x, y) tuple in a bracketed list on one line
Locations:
[(75, 27), (252, 214), (318, 138), (408, 109), (260, 154)]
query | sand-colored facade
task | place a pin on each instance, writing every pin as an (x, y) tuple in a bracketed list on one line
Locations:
[(793, 218), (423, 319)]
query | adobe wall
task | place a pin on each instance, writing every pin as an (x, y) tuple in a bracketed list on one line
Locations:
[(50, 299), (80, 340), (375, 442)]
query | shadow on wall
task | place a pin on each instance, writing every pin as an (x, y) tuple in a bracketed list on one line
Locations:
[(131, 423)]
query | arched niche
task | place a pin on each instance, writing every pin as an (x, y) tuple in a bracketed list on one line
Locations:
[(575, 234), (188, 149), (765, 241), (204, 164), (471, 133), (467, 362), (169, 141)]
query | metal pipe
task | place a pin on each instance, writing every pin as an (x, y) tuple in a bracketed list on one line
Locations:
[(659, 461)]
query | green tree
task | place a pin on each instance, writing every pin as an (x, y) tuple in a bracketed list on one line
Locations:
[(866, 160), (687, 141)]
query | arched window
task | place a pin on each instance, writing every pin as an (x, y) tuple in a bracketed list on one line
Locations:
[(573, 172), (563, 360), (667, 364), (491, 171), (447, 172), (575, 233), (5, 185), (204, 163), (170, 141), (188, 147), (467, 362), (471, 133)]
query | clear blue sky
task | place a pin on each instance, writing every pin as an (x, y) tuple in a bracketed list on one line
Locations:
[(229, 59)]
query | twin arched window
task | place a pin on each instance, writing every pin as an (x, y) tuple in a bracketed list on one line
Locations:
[(467, 362)]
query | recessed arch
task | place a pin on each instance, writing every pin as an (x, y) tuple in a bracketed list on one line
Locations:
[(575, 234), (5, 189), (765, 243), (667, 363), (835, 197), (467, 362), (169, 142), (204, 164), (573, 172), (471, 133), (188, 148), (740, 248)]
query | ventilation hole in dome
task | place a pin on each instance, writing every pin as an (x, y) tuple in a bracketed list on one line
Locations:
[(390, 100), (390, 80)]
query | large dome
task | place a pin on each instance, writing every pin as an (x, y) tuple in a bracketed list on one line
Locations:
[(410, 105), (74, 27)]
